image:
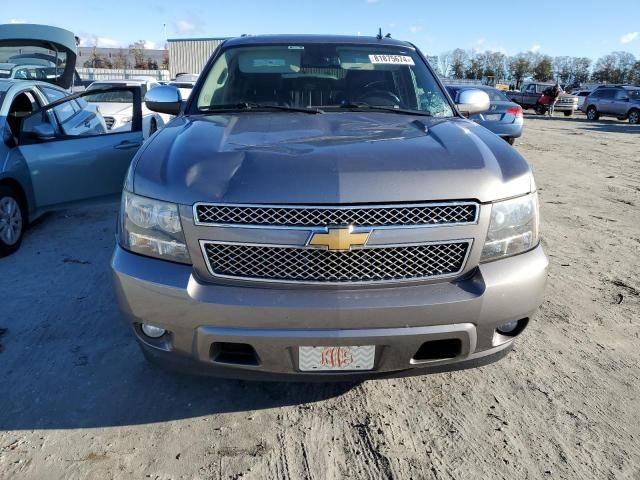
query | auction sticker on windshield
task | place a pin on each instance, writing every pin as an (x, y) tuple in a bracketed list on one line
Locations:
[(336, 358), (391, 59)]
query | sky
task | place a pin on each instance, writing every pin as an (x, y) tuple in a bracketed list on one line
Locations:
[(552, 27)]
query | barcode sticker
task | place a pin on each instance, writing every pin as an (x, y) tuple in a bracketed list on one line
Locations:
[(391, 59)]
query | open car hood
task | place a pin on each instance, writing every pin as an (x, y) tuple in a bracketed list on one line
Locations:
[(21, 41)]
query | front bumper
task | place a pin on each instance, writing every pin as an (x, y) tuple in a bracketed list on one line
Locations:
[(564, 107), (275, 321)]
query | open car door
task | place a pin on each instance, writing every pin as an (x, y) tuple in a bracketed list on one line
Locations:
[(72, 156)]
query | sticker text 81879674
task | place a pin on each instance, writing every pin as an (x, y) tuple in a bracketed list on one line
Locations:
[(391, 59)]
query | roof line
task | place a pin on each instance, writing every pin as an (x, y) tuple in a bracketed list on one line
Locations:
[(197, 39)]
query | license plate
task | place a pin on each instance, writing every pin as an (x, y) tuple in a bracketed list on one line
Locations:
[(493, 117), (319, 359)]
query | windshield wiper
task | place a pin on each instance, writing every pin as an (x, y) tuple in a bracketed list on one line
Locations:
[(257, 106), (381, 108)]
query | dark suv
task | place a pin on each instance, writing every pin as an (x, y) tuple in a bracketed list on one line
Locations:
[(620, 101)]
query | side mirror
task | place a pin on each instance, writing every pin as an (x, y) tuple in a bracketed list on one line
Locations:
[(164, 99), (473, 101), (44, 131)]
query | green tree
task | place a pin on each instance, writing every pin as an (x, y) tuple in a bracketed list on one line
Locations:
[(543, 69), (459, 61), (475, 70), (519, 68)]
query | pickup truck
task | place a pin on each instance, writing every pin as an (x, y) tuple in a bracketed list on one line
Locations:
[(532, 96), (321, 209)]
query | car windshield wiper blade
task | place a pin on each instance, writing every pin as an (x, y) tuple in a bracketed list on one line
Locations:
[(258, 106), (381, 108)]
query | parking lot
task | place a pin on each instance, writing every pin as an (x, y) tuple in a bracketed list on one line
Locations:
[(78, 399)]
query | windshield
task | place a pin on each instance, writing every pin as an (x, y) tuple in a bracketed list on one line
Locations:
[(121, 96), (496, 95), (324, 77)]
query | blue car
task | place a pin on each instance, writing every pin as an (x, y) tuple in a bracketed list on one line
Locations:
[(56, 150), (504, 117)]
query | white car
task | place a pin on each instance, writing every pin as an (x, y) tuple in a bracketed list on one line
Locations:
[(582, 95), (116, 107), (184, 83)]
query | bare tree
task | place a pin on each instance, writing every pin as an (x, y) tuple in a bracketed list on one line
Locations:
[(445, 63), (433, 61), (137, 50), (580, 69), (616, 67), (120, 59), (562, 68)]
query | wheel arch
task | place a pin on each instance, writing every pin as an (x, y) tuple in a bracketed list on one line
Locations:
[(18, 187)]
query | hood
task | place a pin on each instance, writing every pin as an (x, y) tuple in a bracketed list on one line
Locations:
[(113, 108), (329, 158), (24, 41)]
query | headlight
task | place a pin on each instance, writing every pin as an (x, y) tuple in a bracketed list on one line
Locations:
[(124, 120), (513, 228), (151, 227)]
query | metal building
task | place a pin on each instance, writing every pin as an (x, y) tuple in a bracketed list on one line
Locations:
[(190, 55)]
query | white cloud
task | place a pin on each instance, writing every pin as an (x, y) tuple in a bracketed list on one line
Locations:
[(535, 48), (629, 37), (13, 20), (89, 40), (414, 29), (150, 44), (184, 27)]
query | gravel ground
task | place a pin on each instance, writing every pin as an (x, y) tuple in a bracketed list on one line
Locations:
[(77, 399)]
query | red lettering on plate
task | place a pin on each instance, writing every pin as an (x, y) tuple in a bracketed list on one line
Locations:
[(336, 357)]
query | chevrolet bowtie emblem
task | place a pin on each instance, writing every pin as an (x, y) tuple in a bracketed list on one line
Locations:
[(338, 238)]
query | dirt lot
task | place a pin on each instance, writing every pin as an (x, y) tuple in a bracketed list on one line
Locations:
[(77, 400)]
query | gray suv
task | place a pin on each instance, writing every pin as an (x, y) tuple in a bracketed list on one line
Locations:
[(620, 101), (320, 209)]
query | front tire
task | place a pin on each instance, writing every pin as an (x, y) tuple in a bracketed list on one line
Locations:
[(634, 117), (592, 114), (510, 140), (12, 220), (540, 109)]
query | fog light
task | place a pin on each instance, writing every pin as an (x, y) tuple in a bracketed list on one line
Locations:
[(508, 327), (153, 331)]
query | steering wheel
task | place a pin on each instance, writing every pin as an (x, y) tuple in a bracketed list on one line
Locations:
[(384, 98)]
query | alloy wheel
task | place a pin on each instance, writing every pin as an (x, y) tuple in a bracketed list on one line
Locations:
[(10, 221), (634, 117)]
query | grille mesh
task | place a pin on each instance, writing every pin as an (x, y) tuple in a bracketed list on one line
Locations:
[(324, 266), (436, 214), (109, 121)]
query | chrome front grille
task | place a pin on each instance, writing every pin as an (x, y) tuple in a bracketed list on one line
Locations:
[(453, 213), (315, 265), (109, 121)]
